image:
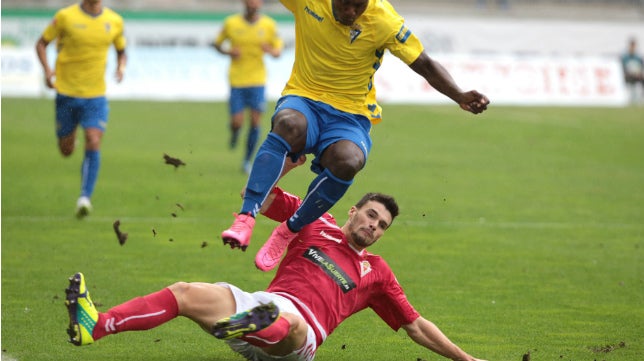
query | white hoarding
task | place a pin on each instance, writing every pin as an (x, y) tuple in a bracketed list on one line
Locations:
[(527, 63)]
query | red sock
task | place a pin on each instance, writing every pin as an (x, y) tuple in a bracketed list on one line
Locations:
[(270, 335), (141, 313)]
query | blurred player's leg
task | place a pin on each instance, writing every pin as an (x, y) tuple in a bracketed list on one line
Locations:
[(92, 115), (89, 173), (251, 145)]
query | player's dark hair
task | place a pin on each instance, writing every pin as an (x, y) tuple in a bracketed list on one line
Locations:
[(388, 201)]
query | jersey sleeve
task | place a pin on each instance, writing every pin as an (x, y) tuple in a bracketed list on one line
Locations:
[(289, 4), (402, 42), (276, 41), (223, 34), (52, 30), (405, 45), (391, 304), (283, 206), (120, 42)]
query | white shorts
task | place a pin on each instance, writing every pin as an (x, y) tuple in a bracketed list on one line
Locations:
[(246, 301)]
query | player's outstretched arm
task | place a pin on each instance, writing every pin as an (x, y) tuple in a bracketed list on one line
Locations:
[(440, 79), (426, 334)]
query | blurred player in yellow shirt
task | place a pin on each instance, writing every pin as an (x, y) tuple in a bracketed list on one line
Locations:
[(84, 33), (246, 38), (328, 106)]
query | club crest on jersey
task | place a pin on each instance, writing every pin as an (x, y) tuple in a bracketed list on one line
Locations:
[(356, 30), (108, 26), (365, 268)]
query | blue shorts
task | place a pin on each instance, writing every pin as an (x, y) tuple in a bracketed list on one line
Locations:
[(327, 125), (86, 112), (249, 97)]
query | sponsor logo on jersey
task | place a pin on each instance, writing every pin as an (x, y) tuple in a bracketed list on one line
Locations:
[(313, 14), (329, 267)]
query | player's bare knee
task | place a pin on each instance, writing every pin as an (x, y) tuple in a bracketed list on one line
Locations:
[(343, 159), (180, 290), (237, 121), (66, 152), (291, 126), (93, 145), (297, 331), (93, 138), (66, 147), (184, 296), (298, 326), (345, 169)]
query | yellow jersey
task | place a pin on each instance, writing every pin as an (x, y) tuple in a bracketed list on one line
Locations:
[(335, 63), (248, 69), (83, 41)]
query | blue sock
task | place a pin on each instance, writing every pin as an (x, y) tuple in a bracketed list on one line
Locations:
[(323, 193), (251, 142), (266, 171), (234, 135), (89, 172)]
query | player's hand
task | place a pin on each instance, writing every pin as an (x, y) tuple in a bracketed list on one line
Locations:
[(289, 164), (50, 79), (268, 49), (234, 53), (474, 102), (120, 73)]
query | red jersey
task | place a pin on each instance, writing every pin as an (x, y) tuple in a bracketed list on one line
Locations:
[(328, 280)]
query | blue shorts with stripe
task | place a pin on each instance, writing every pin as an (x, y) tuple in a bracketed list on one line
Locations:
[(247, 97), (86, 112), (327, 125)]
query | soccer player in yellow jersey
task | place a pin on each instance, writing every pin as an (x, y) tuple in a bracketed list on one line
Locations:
[(248, 37), (328, 106), (84, 33)]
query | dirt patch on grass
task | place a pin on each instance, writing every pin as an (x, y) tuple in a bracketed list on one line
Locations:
[(607, 348)]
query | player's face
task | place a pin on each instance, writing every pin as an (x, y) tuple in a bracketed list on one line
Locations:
[(347, 11), (253, 6), (367, 224)]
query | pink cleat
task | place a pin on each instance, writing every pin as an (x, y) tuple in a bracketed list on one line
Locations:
[(238, 235), (271, 252)]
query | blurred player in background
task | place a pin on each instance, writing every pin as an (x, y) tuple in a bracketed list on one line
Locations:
[(328, 106), (84, 33), (633, 67), (246, 38), (327, 276)]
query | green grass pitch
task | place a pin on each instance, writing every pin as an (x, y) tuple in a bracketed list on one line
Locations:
[(521, 229)]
